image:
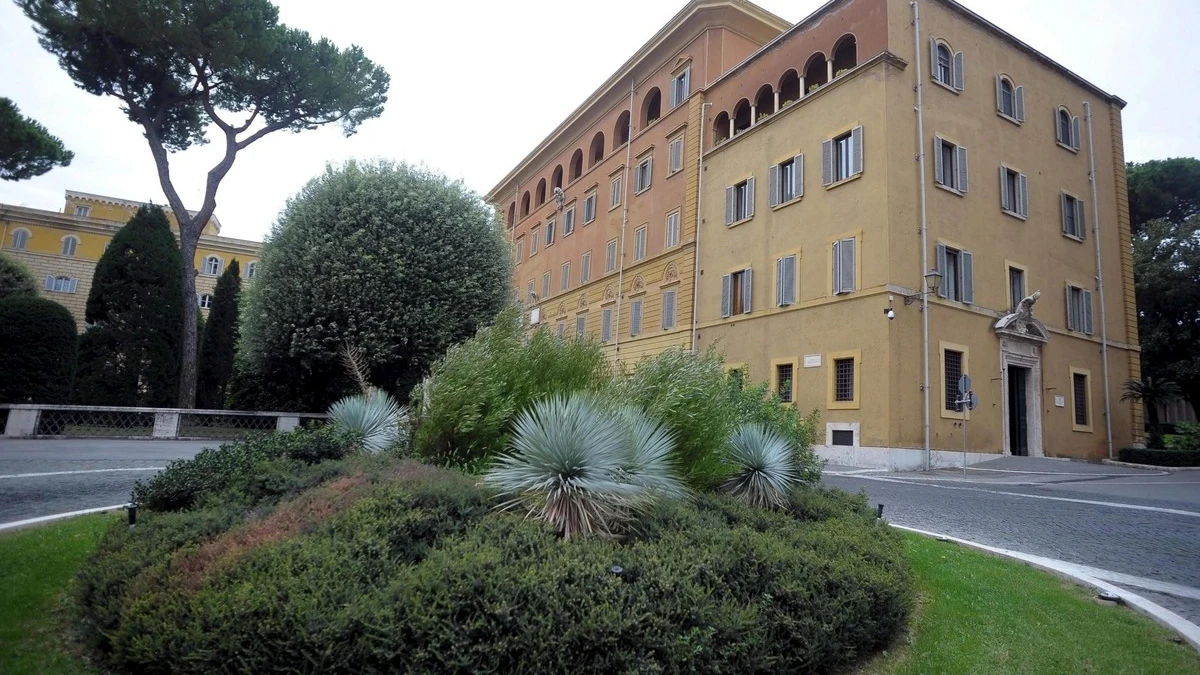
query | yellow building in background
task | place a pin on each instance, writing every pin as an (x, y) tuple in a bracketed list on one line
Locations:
[(62, 248)]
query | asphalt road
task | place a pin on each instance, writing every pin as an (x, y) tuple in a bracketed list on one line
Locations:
[(45, 477), (1141, 524)]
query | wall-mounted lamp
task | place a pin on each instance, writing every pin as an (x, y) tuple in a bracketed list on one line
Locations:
[(933, 281)]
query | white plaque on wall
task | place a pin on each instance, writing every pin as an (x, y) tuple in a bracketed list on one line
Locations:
[(812, 360), (1060, 401)]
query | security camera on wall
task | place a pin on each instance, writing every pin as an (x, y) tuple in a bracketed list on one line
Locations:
[(891, 313)]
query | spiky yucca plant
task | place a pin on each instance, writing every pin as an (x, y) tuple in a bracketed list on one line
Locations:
[(572, 464), (375, 418), (764, 466), (647, 454)]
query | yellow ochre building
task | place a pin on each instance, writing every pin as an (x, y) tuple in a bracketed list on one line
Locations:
[(62, 249), (855, 208)]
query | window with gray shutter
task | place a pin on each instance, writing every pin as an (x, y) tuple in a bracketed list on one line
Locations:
[(726, 296), (843, 266), (545, 285), (730, 204), (1079, 309), (639, 243), (585, 268), (856, 150), (569, 221), (749, 210), (606, 325), (957, 269), (565, 281), (668, 309), (747, 288), (785, 274), (959, 79), (1086, 300), (968, 277), (610, 256), (1023, 194), (635, 317), (1020, 96), (1075, 135), (675, 155), (773, 186), (589, 208), (580, 327), (827, 162)]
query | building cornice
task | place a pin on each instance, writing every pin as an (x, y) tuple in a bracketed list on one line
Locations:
[(128, 203), (622, 75)]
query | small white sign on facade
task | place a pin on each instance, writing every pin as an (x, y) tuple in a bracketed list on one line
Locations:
[(1060, 401), (812, 360)]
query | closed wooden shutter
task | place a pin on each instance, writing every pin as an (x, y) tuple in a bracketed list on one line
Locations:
[(730, 204), (961, 179), (798, 175), (966, 262), (747, 289), (1019, 98), (1023, 188), (1087, 311), (1080, 225), (846, 262), (750, 197), (827, 162), (1075, 135), (635, 317), (856, 138), (726, 295), (773, 185), (958, 71)]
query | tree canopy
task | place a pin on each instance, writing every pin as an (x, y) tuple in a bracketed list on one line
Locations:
[(389, 259), (129, 355), (26, 148), (15, 278), (38, 358), (181, 66), (1163, 189), (219, 340)]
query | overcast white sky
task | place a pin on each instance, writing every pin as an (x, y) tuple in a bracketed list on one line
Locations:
[(476, 84)]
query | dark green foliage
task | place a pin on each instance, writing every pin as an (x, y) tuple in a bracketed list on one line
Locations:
[(1152, 393), (396, 261), (1160, 456), (417, 577), (37, 360), (1187, 437), (1166, 263), (26, 148), (219, 340), (15, 278), (1163, 189), (244, 467), (464, 411), (702, 405), (130, 354)]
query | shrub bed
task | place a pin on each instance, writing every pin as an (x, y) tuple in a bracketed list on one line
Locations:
[(406, 568), (1160, 456)]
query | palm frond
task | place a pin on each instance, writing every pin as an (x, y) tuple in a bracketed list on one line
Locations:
[(764, 465), (375, 418)]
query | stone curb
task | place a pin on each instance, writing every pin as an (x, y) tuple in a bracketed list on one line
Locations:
[(1189, 631), (1151, 467)]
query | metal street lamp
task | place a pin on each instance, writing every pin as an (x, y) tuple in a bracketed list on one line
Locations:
[(933, 281)]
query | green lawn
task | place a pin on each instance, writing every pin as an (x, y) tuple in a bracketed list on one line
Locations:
[(36, 566), (977, 614), (982, 614)]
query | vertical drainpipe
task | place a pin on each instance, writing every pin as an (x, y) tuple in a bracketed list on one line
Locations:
[(626, 188), (1108, 438), (920, 110), (696, 245)]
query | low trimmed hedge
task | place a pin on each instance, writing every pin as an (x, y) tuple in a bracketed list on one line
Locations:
[(258, 467), (416, 573), (1160, 456)]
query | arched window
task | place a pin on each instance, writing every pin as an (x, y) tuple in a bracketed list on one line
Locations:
[(721, 128), (945, 65), (1067, 129), (556, 177), (651, 107), (621, 130), (845, 54), (576, 164), (212, 266), (741, 116), (541, 192), (251, 269), (512, 214), (1006, 97), (789, 87), (816, 72), (69, 244), (20, 239), (525, 204), (597, 152), (205, 301), (764, 101)]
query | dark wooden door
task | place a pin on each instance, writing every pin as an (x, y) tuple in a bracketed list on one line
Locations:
[(1018, 411)]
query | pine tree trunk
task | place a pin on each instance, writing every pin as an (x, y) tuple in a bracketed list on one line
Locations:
[(187, 350)]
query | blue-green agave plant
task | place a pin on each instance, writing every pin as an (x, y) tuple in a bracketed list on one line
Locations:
[(375, 418), (764, 466), (581, 467)]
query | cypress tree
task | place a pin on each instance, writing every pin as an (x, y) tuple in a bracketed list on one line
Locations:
[(37, 361), (219, 340), (130, 354)]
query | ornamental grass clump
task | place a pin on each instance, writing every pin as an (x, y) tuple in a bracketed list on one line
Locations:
[(764, 466), (583, 468)]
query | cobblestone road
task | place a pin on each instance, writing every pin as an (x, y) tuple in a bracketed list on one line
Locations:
[(1084, 521)]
